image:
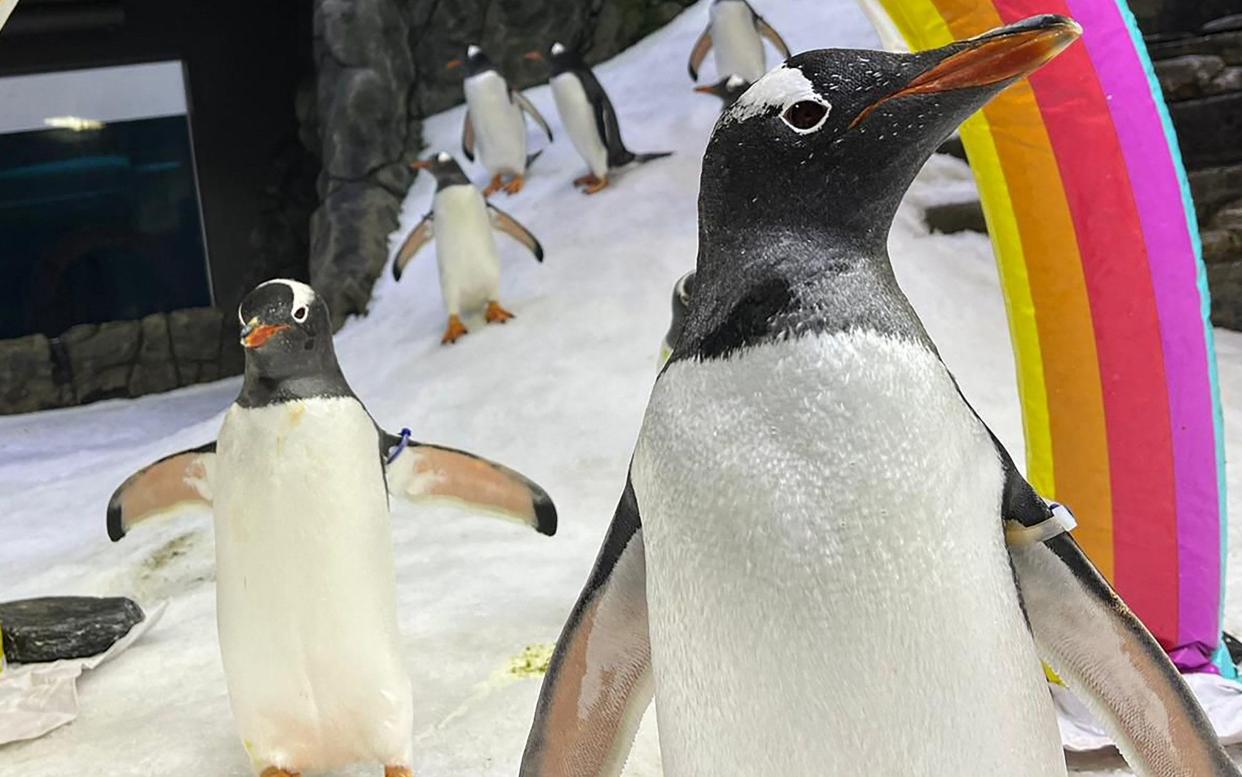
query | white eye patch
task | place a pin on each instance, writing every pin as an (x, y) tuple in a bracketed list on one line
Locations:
[(779, 88), (558, 48), (443, 156)]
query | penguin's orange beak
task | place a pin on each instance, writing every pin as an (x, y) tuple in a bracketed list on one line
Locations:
[(709, 89), (455, 63), (1001, 55), (422, 164), (533, 56), (254, 334)]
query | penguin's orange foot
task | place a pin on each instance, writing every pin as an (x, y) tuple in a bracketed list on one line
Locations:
[(452, 333), (598, 185), (515, 184), (492, 187), (582, 180), (496, 314), (272, 771), (398, 771)]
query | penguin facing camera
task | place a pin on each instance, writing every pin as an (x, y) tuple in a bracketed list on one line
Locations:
[(299, 482), (728, 89), (495, 123), (682, 290), (822, 560), (588, 116), (735, 32), (461, 222)]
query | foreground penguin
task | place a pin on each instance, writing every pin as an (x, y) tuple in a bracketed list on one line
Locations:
[(494, 122), (808, 566), (461, 221), (589, 117), (728, 89), (736, 34), (299, 481)]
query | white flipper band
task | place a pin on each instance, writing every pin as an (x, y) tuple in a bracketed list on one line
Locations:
[(1060, 522)]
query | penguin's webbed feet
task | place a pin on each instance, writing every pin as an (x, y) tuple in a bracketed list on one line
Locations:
[(273, 771), (454, 331), (493, 187), (495, 314), (398, 771), (515, 184), (593, 183)]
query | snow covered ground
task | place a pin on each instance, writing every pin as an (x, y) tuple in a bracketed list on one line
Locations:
[(558, 393)]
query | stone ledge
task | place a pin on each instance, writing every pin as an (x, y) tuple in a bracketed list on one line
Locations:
[(90, 362)]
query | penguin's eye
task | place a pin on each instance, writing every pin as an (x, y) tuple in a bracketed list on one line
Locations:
[(805, 115), (299, 314)]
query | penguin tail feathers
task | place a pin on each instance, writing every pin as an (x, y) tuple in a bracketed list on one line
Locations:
[(530, 160), (651, 157)]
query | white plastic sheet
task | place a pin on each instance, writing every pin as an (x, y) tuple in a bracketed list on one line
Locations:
[(36, 698)]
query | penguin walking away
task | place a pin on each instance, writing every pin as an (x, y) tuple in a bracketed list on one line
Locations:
[(299, 482), (494, 122), (823, 562), (461, 222), (735, 32), (728, 89), (589, 117)]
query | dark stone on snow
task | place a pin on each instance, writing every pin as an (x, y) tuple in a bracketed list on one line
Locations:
[(954, 217), (1188, 76), (55, 627), (1208, 129)]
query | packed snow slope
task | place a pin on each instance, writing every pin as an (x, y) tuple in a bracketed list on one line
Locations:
[(558, 393)]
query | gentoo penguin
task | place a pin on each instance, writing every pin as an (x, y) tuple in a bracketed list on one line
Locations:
[(823, 563), (736, 34), (588, 115), (728, 89), (681, 303), (461, 221), (299, 480), (494, 121)]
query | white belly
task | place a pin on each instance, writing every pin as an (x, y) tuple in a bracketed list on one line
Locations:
[(465, 249), (735, 41), (306, 593), (828, 586), (579, 119), (499, 129)]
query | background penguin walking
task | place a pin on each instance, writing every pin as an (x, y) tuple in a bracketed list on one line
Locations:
[(735, 32), (589, 117), (299, 481), (494, 122), (461, 222), (823, 562), (728, 89)]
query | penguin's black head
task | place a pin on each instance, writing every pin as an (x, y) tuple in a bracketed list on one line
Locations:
[(445, 169), (728, 89), (833, 138), (286, 330), (476, 62), (560, 59)]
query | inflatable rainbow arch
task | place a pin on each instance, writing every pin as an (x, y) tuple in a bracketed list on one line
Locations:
[(1088, 207)]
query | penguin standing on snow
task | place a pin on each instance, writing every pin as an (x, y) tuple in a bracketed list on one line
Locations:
[(736, 34), (494, 122), (823, 562), (299, 481), (728, 89), (588, 115), (461, 222)]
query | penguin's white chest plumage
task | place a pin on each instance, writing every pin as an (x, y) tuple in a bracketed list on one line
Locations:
[(735, 41), (828, 586), (578, 116), (306, 593), (499, 128), (466, 252)]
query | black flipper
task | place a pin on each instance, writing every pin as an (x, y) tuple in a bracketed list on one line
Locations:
[(607, 125), (514, 229), (592, 701), (699, 52)]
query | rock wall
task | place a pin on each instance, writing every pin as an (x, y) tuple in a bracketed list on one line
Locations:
[(118, 359), (381, 69)]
